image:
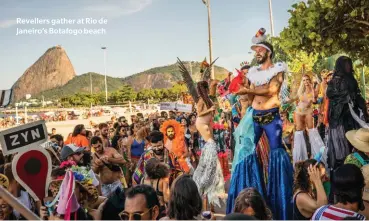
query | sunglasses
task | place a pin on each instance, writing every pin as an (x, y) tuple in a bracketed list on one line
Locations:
[(133, 216)]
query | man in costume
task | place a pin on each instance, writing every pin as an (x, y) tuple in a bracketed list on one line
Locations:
[(174, 141), (157, 151), (267, 84)]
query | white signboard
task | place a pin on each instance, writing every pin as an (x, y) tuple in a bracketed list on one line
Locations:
[(176, 107), (22, 138)]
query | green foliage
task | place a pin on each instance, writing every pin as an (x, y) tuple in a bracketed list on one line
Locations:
[(172, 72), (81, 84), (123, 95), (329, 27)]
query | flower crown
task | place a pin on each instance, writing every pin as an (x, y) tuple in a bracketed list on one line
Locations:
[(81, 174), (244, 63)]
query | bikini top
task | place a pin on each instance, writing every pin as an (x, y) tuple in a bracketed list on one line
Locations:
[(306, 97)]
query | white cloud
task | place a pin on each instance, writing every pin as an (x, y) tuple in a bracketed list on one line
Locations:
[(7, 23), (119, 8)]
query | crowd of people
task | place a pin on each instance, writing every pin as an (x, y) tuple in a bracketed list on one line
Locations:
[(302, 155)]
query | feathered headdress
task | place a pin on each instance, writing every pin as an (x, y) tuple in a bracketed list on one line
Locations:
[(188, 80), (245, 64), (205, 74), (259, 36), (259, 40), (204, 65)]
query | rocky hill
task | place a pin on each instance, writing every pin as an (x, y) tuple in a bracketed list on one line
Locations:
[(159, 77), (82, 84), (53, 69), (53, 76), (166, 76)]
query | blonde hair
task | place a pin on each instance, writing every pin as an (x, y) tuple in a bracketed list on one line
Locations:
[(302, 87)]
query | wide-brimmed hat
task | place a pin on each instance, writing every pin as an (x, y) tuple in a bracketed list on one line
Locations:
[(365, 171), (359, 139), (4, 181)]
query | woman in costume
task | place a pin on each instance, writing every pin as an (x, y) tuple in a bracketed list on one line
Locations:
[(205, 111), (304, 120), (208, 174)]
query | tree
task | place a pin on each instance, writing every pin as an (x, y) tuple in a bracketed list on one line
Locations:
[(329, 27), (124, 94)]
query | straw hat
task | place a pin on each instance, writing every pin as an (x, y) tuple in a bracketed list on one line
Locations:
[(4, 181), (359, 139), (365, 171)]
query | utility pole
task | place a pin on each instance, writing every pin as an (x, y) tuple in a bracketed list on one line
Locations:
[(207, 3), (91, 82), (106, 84), (271, 17)]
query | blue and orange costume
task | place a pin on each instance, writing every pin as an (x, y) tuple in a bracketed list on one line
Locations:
[(247, 171)]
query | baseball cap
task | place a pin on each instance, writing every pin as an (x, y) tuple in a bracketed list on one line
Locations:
[(70, 149)]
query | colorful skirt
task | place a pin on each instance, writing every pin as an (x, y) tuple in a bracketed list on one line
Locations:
[(208, 175)]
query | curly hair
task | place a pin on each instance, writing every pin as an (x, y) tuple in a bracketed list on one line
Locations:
[(203, 89), (155, 169), (250, 197), (301, 176), (185, 201)]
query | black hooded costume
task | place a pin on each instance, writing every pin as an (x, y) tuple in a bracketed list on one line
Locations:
[(342, 89)]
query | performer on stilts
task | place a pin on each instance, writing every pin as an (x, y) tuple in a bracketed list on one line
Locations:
[(304, 119), (267, 89)]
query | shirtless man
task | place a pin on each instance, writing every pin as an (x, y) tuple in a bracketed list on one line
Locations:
[(266, 81), (107, 162), (264, 96), (104, 130)]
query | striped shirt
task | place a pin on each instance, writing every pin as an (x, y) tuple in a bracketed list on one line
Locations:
[(330, 212)]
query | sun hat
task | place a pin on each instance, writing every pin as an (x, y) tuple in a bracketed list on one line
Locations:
[(4, 181), (359, 139)]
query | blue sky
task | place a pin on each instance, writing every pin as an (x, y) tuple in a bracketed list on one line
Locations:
[(140, 34)]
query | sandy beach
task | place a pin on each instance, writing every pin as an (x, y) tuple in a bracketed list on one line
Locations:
[(66, 127)]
